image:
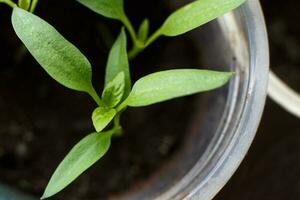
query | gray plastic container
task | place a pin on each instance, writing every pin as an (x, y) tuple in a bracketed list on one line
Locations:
[(226, 121)]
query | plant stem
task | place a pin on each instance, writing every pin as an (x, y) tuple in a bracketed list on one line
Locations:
[(153, 37), (9, 3), (122, 106), (135, 51), (117, 119), (95, 96), (116, 130), (139, 48), (137, 45), (117, 126), (129, 27), (33, 5)]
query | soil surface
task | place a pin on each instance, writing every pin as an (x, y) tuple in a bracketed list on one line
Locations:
[(40, 120), (271, 169)]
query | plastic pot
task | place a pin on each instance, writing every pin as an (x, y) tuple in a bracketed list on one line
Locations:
[(226, 120)]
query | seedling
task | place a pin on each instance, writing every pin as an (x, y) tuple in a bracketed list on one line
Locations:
[(68, 66), (181, 21)]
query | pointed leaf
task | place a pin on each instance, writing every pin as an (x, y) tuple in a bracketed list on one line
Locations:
[(81, 157), (114, 91), (143, 30), (118, 62), (108, 8), (61, 60), (165, 85), (102, 117), (196, 14)]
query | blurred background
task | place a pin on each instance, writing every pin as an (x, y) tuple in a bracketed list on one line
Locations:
[(271, 169)]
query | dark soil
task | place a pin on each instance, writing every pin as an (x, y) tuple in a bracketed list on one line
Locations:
[(271, 169), (40, 120)]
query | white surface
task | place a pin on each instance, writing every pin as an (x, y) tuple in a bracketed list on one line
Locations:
[(284, 95)]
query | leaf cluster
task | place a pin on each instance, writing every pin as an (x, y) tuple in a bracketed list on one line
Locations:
[(183, 20)]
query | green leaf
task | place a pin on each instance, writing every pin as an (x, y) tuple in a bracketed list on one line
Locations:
[(25, 4), (143, 31), (61, 60), (165, 85), (109, 8), (102, 117), (81, 157), (118, 62), (196, 14), (114, 91)]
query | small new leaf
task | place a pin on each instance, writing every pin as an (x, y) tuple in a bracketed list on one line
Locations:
[(102, 116), (143, 31), (61, 60), (196, 14), (114, 91), (109, 8), (24, 4), (81, 157), (170, 84), (118, 62)]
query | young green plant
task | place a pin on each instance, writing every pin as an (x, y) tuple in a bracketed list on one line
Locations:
[(28, 5), (68, 66), (184, 19)]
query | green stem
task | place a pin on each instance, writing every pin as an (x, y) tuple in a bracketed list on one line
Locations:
[(116, 130), (33, 5), (153, 37), (135, 51), (96, 98), (137, 45), (129, 27), (117, 125), (117, 119), (9, 3), (122, 106)]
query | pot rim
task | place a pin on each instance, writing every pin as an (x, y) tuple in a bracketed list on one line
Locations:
[(194, 187)]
